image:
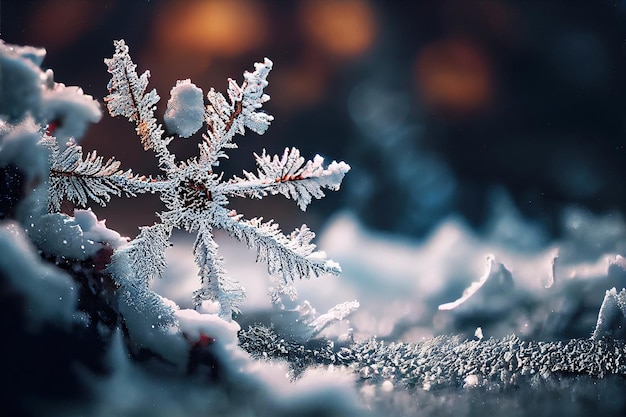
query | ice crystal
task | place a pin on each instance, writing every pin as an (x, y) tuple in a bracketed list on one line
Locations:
[(194, 195)]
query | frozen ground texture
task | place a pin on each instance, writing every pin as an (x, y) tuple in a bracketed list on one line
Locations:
[(501, 323)]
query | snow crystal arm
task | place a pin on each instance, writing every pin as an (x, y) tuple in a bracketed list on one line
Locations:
[(127, 97), (288, 175), (137, 301), (287, 257), (225, 118), (147, 252), (216, 286), (79, 179)]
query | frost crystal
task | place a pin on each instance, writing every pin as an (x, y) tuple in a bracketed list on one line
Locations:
[(195, 196)]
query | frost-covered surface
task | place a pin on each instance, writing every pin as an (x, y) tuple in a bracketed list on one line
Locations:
[(437, 327), (444, 362)]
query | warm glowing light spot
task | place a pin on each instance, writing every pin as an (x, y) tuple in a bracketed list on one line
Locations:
[(344, 28), (220, 27), (454, 75)]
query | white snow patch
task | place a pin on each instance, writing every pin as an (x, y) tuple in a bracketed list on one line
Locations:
[(79, 237), (49, 293), (184, 115), (496, 275)]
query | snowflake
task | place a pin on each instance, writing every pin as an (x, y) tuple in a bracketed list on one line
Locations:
[(194, 195)]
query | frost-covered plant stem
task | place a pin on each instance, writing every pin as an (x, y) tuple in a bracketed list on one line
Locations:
[(194, 195)]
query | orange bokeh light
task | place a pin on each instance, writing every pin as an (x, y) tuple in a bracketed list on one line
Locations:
[(454, 75), (216, 27), (344, 28)]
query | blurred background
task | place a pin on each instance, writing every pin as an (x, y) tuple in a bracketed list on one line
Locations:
[(440, 107)]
